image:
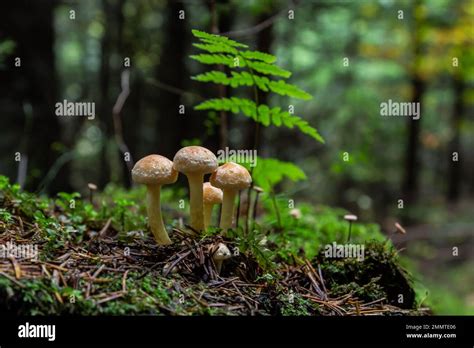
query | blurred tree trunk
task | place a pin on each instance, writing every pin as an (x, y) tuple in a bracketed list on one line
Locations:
[(109, 80), (454, 168), (171, 126), (30, 25), (412, 166)]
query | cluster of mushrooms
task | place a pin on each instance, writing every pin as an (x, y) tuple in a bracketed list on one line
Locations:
[(194, 162)]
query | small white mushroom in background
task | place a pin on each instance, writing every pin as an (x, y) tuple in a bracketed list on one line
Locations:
[(295, 213), (154, 171), (221, 254), (351, 218), (231, 178), (92, 188), (194, 162), (399, 228), (212, 195)]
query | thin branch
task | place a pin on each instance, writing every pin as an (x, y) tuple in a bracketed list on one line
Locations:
[(260, 26), (172, 89), (118, 130)]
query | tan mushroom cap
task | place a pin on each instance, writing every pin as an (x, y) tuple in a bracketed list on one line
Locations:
[(154, 169), (195, 159), (231, 176), (212, 195), (222, 253)]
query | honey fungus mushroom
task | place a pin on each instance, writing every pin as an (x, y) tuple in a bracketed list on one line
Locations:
[(212, 196), (231, 178), (155, 171), (220, 254), (194, 162)]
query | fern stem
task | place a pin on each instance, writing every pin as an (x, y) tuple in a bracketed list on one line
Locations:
[(275, 206), (255, 141)]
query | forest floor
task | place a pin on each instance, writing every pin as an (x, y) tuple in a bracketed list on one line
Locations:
[(91, 267)]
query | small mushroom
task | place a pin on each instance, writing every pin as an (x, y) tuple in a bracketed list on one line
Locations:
[(399, 228), (92, 188), (194, 162), (231, 178), (155, 171), (295, 213), (212, 195), (221, 253), (351, 218)]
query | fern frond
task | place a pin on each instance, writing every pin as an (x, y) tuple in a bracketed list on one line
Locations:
[(223, 59), (283, 88), (268, 69), (238, 79), (256, 55), (269, 172), (213, 76), (216, 48), (211, 38), (265, 115)]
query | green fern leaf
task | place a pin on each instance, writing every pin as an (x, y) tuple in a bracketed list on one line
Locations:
[(245, 79), (283, 88), (256, 55), (213, 76), (224, 51), (268, 69), (270, 172), (211, 38), (222, 59), (216, 48), (264, 116)]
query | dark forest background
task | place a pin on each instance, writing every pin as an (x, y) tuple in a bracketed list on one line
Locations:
[(426, 56)]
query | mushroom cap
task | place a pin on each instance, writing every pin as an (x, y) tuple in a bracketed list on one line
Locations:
[(350, 217), (154, 169), (195, 159), (211, 194), (222, 253), (231, 176), (400, 228)]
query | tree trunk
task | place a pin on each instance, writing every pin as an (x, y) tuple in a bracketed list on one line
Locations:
[(412, 166), (28, 93), (454, 169)]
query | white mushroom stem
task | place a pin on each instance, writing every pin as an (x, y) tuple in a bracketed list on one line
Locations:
[(227, 214), (222, 253), (218, 263), (196, 200), (207, 214), (155, 219)]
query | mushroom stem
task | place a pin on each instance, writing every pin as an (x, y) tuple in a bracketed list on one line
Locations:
[(350, 230), (196, 200), (155, 219), (218, 265), (207, 214), (227, 209)]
